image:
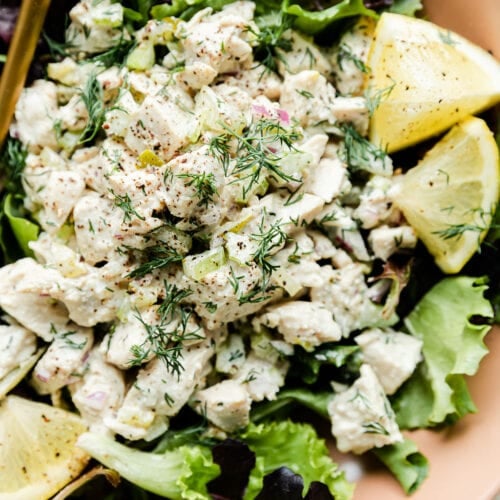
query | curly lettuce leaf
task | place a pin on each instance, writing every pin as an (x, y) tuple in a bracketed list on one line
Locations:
[(316, 401), (297, 447), (313, 22), (307, 364), (185, 8), (182, 473), (450, 319), (308, 21), (406, 462)]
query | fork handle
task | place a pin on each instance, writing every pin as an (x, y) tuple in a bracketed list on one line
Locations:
[(27, 32)]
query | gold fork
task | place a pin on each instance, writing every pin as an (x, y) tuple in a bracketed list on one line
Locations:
[(27, 32)]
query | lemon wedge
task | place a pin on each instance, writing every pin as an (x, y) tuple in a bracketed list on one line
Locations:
[(38, 455), (424, 79), (449, 198)]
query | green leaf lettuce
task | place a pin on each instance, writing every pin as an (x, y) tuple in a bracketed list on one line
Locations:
[(313, 22), (296, 446), (407, 464), (450, 320), (182, 473), (23, 229)]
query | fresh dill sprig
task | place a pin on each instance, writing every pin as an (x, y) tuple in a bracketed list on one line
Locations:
[(173, 297), (332, 216), (156, 257), (166, 338), (205, 185), (345, 54), (294, 197), (375, 428), (296, 256), (358, 152), (269, 40), (93, 99), (116, 55), (255, 151), (220, 148), (374, 97), (12, 163), (58, 49), (67, 338), (125, 203), (268, 240), (456, 231), (304, 93)]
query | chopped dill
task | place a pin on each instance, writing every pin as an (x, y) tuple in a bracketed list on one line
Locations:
[(269, 40), (345, 54), (304, 93), (57, 49), (125, 203), (173, 297), (157, 257), (206, 188), (268, 240), (166, 338), (93, 99), (210, 306), (456, 231), (375, 428), (255, 154), (220, 148), (375, 97), (295, 196), (67, 338), (234, 281), (12, 163), (358, 152), (116, 55)]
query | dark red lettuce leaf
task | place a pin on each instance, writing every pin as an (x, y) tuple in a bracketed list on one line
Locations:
[(284, 484), (236, 461)]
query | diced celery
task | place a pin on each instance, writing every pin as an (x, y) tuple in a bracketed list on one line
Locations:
[(198, 266), (69, 140), (142, 57), (66, 232), (292, 164), (283, 279), (173, 238)]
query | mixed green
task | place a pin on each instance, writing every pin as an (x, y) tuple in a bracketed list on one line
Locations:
[(171, 273)]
